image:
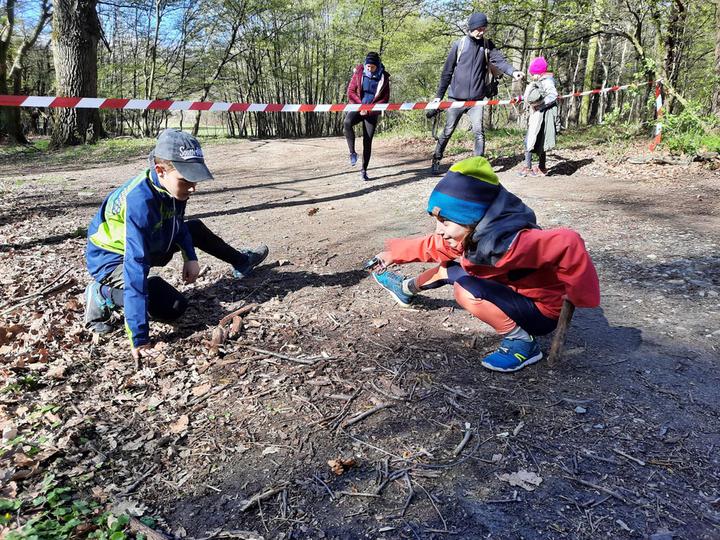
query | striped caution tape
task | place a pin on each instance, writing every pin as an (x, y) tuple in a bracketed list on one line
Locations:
[(170, 105)]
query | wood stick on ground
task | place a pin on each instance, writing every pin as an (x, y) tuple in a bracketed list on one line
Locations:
[(599, 488), (237, 313), (623, 454), (465, 440), (136, 484), (434, 506), (50, 285), (411, 494), (558, 342), (357, 494), (323, 484), (362, 416), (339, 418), (44, 293), (138, 527), (249, 503), (305, 361)]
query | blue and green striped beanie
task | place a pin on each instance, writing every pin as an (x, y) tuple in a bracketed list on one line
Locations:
[(465, 192)]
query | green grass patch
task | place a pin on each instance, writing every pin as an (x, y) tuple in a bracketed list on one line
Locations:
[(105, 150), (55, 514)]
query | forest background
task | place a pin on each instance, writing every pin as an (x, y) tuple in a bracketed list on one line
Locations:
[(284, 51)]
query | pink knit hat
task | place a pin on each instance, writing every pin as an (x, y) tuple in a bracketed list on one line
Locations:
[(538, 65)]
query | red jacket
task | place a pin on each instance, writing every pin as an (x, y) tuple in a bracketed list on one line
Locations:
[(354, 91), (543, 265)]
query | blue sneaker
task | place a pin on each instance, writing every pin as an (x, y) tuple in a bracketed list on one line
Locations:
[(353, 159), (97, 309), (254, 258), (513, 354), (393, 284)]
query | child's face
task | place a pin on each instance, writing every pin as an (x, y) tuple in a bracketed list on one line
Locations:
[(176, 185), (453, 233)]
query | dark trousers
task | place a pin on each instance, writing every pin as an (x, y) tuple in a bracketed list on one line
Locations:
[(165, 302), (519, 308), (369, 123)]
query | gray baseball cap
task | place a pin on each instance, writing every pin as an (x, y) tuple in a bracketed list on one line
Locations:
[(185, 153)]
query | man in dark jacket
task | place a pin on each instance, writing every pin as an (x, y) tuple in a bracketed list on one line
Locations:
[(465, 74)]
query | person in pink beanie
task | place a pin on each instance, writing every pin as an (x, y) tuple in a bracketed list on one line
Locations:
[(541, 100)]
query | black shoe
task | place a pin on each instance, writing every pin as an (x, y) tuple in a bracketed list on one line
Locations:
[(435, 167), (254, 258), (364, 176)]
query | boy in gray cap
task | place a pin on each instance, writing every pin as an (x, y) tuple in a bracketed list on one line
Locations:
[(141, 224), (465, 76)]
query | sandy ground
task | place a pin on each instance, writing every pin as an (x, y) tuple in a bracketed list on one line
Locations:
[(624, 433)]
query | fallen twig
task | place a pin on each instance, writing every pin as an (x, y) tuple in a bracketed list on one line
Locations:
[(305, 361), (362, 416), (323, 484), (237, 313), (599, 488), (44, 293), (435, 507), (248, 503), (464, 441), (357, 494), (140, 480), (339, 417), (138, 526), (631, 458)]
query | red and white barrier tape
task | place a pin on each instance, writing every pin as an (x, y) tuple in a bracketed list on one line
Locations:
[(169, 105)]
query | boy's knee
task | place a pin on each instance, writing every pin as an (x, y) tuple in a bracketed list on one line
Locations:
[(165, 302), (194, 226)]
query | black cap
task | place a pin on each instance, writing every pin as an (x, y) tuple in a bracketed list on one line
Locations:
[(477, 20), (373, 58)]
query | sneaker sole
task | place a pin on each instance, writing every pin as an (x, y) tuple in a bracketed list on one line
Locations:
[(395, 296), (532, 360)]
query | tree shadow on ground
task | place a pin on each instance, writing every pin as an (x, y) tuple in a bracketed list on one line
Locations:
[(370, 187)]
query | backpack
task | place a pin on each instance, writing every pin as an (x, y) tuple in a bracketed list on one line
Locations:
[(492, 74)]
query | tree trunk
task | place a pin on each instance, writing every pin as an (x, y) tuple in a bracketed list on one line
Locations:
[(9, 116), (76, 32), (716, 97), (598, 11)]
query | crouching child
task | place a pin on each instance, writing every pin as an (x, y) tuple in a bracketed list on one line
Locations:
[(504, 269), (142, 224)]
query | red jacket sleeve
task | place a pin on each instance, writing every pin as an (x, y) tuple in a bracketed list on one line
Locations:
[(354, 89), (564, 251), (431, 248)]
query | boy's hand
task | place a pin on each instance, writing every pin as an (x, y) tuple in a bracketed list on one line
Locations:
[(379, 261), (190, 272), (144, 351)]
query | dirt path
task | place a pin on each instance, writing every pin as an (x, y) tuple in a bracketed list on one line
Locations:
[(624, 434)]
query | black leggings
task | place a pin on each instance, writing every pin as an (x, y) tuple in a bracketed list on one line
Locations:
[(369, 121), (165, 302)]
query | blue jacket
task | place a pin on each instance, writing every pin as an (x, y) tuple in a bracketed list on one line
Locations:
[(137, 224)]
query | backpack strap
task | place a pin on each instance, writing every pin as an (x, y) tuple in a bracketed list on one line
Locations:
[(461, 46)]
